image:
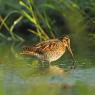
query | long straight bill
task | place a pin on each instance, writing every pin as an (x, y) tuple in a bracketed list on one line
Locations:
[(69, 49)]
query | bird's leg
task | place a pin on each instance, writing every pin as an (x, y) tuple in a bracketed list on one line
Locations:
[(73, 65), (49, 63), (43, 63)]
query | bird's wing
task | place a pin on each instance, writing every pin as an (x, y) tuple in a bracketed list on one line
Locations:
[(40, 48), (46, 45)]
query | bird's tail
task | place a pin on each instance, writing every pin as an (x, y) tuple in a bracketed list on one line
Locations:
[(28, 51)]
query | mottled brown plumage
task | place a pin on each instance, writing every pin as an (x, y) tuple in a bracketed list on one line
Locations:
[(50, 50)]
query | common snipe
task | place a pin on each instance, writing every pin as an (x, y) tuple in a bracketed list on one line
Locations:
[(50, 50)]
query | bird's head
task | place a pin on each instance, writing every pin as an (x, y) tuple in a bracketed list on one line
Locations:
[(66, 41)]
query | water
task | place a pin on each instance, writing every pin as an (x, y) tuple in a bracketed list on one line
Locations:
[(20, 75)]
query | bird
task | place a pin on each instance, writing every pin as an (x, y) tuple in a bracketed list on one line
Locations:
[(50, 50)]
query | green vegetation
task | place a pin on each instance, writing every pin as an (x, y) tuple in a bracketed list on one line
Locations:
[(50, 19)]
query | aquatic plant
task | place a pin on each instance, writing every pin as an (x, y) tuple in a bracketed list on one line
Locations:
[(11, 28)]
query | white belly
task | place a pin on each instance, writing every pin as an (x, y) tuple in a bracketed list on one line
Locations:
[(54, 56)]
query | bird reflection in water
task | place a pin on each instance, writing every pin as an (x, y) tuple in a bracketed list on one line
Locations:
[(55, 70)]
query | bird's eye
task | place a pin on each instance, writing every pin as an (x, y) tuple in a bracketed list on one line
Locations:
[(67, 39)]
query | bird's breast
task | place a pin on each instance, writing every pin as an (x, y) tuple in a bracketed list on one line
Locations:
[(54, 54)]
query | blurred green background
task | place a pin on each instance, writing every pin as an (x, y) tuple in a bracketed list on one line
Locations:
[(26, 22)]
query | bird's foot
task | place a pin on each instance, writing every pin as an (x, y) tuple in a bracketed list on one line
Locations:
[(72, 67)]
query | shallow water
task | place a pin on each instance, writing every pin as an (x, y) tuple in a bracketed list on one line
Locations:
[(21, 75)]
